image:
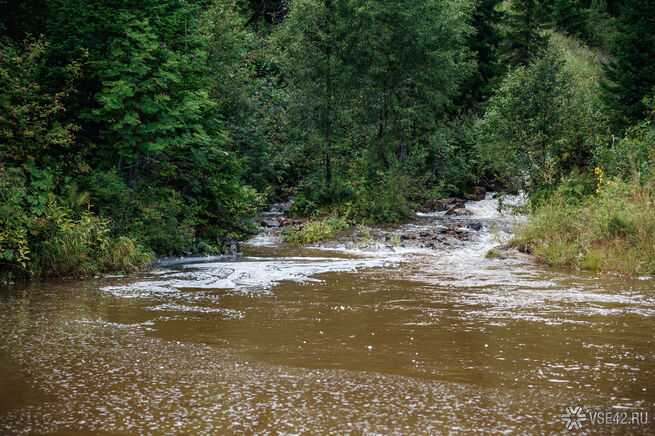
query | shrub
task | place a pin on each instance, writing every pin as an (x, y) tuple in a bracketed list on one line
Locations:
[(633, 155), (41, 234), (84, 246), (315, 231), (383, 199), (123, 254)]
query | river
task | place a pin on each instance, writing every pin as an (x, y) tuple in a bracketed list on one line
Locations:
[(347, 338)]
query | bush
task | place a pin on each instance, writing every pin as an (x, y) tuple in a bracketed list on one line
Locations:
[(315, 231), (123, 254), (83, 246), (41, 234), (633, 155), (384, 197)]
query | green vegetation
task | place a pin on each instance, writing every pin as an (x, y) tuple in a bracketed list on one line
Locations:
[(315, 230), (134, 129), (114, 140), (545, 119), (612, 231), (631, 70)]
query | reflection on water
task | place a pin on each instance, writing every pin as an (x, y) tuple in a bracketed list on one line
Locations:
[(405, 341)]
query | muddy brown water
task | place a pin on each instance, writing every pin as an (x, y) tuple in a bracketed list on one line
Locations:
[(296, 341)]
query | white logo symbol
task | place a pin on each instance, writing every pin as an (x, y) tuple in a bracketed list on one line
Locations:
[(574, 417)]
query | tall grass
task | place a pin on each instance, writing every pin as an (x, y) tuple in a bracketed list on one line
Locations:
[(611, 231)]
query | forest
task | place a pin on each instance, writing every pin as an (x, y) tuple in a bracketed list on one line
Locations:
[(131, 130)]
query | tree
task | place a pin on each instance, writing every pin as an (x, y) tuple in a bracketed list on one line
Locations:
[(409, 60), (156, 92), (524, 129), (484, 42), (570, 16), (525, 39), (631, 72), (264, 12), (32, 128), (159, 119), (371, 80), (313, 40)]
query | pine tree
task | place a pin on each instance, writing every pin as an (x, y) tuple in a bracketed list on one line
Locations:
[(484, 43), (631, 73), (570, 16), (526, 39), (264, 12), (410, 60)]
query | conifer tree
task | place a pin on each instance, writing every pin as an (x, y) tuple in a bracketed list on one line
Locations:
[(410, 60), (569, 16), (312, 41), (484, 43), (526, 39), (631, 73)]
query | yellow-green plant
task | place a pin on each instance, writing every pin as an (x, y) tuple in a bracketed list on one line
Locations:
[(315, 231)]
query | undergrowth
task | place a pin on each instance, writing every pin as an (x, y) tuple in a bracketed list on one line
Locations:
[(613, 230)]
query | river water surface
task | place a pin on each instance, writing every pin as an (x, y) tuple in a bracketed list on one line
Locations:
[(383, 339)]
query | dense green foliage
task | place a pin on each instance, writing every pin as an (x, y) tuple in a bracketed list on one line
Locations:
[(545, 120), (526, 39), (368, 87), (132, 129), (315, 230), (135, 122), (485, 42)]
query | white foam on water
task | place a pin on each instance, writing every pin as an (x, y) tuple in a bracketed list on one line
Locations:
[(512, 287), (431, 214), (245, 275), (488, 208), (252, 274), (265, 239)]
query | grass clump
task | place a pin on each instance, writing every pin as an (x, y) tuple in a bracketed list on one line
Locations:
[(315, 230), (123, 254), (84, 246), (613, 230)]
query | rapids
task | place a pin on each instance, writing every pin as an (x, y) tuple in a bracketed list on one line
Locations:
[(387, 335)]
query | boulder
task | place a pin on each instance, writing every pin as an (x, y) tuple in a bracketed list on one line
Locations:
[(475, 226), (458, 211), (441, 204), (478, 194), (269, 222)]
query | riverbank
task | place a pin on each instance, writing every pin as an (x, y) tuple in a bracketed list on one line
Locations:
[(611, 231), (354, 335)]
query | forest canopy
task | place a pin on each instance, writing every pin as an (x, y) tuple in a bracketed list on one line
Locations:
[(135, 129)]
